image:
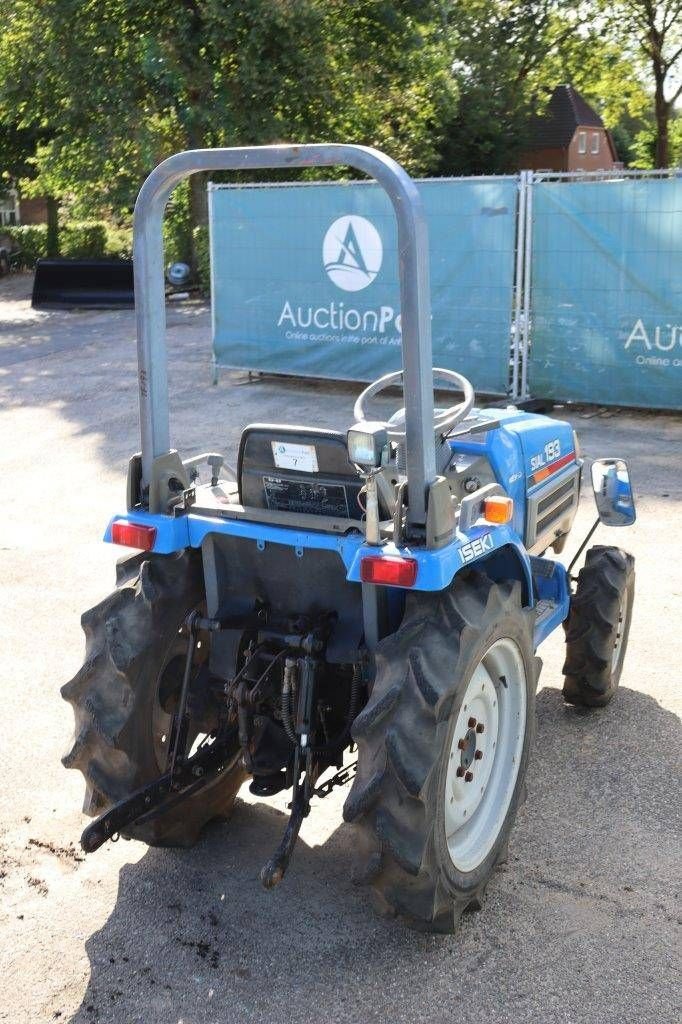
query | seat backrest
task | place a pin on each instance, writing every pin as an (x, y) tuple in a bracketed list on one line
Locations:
[(297, 469)]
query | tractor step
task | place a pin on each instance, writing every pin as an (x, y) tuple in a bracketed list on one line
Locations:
[(552, 594)]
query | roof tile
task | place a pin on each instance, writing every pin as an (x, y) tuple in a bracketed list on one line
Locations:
[(566, 111)]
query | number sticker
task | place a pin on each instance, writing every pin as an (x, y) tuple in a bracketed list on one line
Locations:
[(302, 457)]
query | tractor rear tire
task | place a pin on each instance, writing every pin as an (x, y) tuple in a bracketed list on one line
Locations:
[(130, 638), (598, 626), (412, 790)]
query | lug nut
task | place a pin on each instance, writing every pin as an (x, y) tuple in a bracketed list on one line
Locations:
[(478, 755), (461, 744), (468, 777), (480, 727), (460, 772), (472, 723)]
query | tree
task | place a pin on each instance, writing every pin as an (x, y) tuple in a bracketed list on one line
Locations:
[(657, 27), (17, 148), (122, 83), (507, 57), (644, 144), (496, 45), (390, 77)]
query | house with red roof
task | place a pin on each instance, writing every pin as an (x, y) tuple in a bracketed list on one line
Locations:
[(569, 136)]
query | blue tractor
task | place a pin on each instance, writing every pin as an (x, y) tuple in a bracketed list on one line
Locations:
[(382, 591)]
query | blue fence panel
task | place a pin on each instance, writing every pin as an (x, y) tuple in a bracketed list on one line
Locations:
[(305, 278), (607, 292)]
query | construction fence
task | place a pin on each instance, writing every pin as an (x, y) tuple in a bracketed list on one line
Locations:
[(561, 286)]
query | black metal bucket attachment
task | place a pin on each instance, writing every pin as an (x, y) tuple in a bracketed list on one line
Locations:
[(90, 283)]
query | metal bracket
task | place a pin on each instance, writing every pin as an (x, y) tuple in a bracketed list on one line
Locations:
[(471, 507), (167, 789), (168, 480)]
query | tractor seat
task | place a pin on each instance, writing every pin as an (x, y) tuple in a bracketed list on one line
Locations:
[(296, 469)]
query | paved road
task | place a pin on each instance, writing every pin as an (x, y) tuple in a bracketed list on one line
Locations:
[(582, 925)]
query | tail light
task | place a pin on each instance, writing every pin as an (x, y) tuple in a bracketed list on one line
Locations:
[(389, 570), (133, 535)]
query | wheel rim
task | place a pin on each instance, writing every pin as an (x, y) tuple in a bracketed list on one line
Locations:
[(485, 754), (620, 629)]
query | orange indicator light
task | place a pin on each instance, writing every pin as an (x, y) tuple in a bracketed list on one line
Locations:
[(498, 509)]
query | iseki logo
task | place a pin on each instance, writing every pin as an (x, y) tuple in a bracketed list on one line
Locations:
[(476, 548)]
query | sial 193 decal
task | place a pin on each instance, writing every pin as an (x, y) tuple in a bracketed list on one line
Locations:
[(551, 452)]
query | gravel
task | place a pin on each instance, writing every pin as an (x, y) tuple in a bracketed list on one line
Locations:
[(582, 924)]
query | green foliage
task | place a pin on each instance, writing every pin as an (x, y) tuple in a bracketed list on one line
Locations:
[(643, 147), (508, 57), (391, 78), (201, 247), (76, 240), (498, 43), (652, 31), (177, 227), (95, 93), (83, 240), (119, 242), (31, 239), (116, 85)]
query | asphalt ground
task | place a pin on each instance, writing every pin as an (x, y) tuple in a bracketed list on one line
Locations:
[(582, 924)]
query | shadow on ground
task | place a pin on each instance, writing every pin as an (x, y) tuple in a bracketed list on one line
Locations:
[(193, 937)]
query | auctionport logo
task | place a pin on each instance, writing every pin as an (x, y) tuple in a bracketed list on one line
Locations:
[(352, 253)]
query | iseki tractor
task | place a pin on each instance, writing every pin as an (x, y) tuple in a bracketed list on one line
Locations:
[(359, 607)]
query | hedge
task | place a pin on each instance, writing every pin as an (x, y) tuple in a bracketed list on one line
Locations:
[(93, 239), (86, 240), (30, 238), (119, 242), (76, 239), (203, 258)]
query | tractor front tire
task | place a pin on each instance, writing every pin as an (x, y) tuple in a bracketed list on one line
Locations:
[(130, 639), (598, 626), (446, 733)]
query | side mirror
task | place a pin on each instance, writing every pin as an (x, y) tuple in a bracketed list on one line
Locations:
[(613, 492)]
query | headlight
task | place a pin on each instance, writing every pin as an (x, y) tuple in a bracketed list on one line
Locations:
[(367, 443)]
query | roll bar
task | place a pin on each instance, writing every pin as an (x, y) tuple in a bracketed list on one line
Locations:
[(415, 301)]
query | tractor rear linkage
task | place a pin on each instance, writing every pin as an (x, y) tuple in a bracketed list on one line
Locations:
[(185, 775)]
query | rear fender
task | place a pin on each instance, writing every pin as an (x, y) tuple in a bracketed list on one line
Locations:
[(507, 563)]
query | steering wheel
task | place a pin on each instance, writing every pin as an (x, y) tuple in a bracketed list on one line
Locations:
[(443, 420)]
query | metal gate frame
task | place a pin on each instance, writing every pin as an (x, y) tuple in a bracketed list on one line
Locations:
[(520, 299), (521, 313), (521, 339)]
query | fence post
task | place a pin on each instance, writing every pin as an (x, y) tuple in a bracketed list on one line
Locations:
[(211, 264), (518, 283), (526, 318)]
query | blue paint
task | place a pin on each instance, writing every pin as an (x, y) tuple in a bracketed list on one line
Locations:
[(554, 588), (510, 448), (174, 534), (502, 449), (436, 569)]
